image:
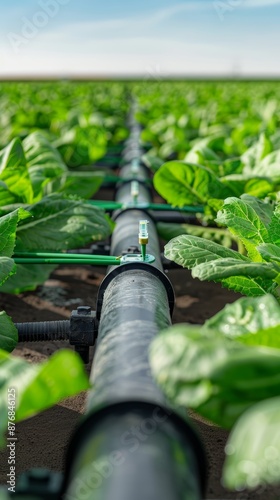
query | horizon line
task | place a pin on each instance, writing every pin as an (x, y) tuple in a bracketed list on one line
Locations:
[(137, 77)]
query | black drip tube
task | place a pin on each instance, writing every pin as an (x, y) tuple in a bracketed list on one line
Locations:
[(132, 445)]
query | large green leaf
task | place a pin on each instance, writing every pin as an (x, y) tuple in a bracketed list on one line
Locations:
[(8, 333), (253, 287), (259, 186), (270, 337), (246, 316), (7, 268), (253, 156), (188, 184), (208, 372), (83, 144), (211, 261), (254, 186), (83, 184), (263, 209), (274, 227), (14, 173), (45, 165), (235, 182), (59, 223), (253, 447), (8, 227), (243, 221), (220, 269), (231, 166), (37, 387), (6, 197), (201, 154), (190, 251), (269, 166), (27, 277), (269, 252)]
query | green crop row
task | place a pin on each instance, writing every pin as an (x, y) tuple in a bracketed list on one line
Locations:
[(213, 144), (217, 145), (51, 135)]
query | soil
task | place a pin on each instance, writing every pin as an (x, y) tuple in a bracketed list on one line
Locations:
[(42, 440)]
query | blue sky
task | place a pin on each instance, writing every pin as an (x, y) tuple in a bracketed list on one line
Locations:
[(153, 39)]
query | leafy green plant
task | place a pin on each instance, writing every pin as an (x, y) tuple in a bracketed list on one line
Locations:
[(57, 222), (8, 227), (83, 143), (184, 183), (98, 110), (34, 387), (209, 124), (28, 171), (31, 169), (255, 224), (188, 184), (228, 369)]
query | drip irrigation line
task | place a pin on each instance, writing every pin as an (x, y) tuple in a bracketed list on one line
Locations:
[(55, 261), (46, 258), (106, 205), (59, 255), (76, 259), (116, 179), (112, 205), (164, 208)]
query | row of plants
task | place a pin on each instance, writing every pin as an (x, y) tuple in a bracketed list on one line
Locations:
[(82, 120), (224, 156), (51, 136), (228, 370), (213, 145), (37, 387), (226, 118)]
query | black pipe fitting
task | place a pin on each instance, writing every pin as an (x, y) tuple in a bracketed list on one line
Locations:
[(81, 331), (40, 331)]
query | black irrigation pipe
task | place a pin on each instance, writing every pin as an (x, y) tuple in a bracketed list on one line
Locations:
[(132, 445)]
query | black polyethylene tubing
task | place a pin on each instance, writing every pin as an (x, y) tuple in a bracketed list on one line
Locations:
[(135, 455), (135, 308), (127, 455)]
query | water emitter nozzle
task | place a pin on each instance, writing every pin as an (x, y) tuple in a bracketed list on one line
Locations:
[(143, 236), (135, 191), (143, 232)]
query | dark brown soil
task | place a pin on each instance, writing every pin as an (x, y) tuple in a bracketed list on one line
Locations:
[(42, 440)]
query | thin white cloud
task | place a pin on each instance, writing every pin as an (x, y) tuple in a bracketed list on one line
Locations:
[(210, 5), (146, 20), (259, 3), (168, 12)]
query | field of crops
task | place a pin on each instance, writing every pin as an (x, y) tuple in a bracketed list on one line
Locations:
[(80, 165)]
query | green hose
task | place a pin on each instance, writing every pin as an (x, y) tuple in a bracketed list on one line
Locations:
[(57, 258), (112, 205)]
